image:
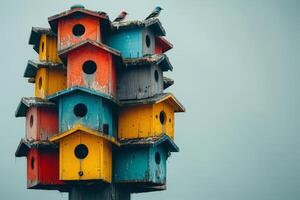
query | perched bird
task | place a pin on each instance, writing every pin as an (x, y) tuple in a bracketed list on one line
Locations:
[(155, 12), (121, 16)]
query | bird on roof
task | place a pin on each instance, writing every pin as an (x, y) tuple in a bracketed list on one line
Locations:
[(155, 12), (121, 16)]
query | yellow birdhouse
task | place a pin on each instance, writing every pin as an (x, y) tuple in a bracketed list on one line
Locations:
[(148, 117), (48, 77), (44, 42), (85, 154)]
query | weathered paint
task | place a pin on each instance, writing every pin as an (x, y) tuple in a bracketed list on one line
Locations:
[(48, 49), (100, 111), (97, 165), (43, 169), (49, 81)]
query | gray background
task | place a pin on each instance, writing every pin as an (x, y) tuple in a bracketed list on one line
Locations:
[(236, 67)]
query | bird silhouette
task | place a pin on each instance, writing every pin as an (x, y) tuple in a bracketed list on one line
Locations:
[(155, 12), (121, 16)]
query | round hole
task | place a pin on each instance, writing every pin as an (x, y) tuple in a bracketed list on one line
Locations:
[(156, 75), (32, 163), (80, 173), (89, 67), (31, 121), (78, 30), (43, 46), (81, 151), (157, 158), (40, 82), (148, 41), (170, 120), (162, 117), (80, 110), (156, 116)]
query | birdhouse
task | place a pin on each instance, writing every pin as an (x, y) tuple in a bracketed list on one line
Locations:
[(84, 154), (78, 105), (141, 163), (78, 24), (92, 65), (135, 39), (48, 77), (143, 77), (41, 117), (167, 82), (42, 164), (162, 45), (148, 117), (45, 44)]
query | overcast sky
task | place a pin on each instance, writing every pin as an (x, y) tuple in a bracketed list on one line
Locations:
[(236, 70)]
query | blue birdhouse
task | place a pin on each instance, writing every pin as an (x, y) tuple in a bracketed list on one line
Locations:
[(135, 39), (141, 163), (79, 105)]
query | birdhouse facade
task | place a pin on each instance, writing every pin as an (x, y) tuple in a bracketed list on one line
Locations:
[(84, 155), (93, 66)]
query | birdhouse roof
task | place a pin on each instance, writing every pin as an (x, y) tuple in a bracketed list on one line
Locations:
[(34, 65), (153, 23), (35, 36), (25, 145), (53, 20), (27, 102), (152, 141), (167, 82), (164, 97), (63, 53), (86, 130), (159, 59), (79, 89), (164, 43)]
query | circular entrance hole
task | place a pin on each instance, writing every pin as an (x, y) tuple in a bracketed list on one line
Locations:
[(32, 162), (40, 83), (81, 151), (78, 30), (157, 158), (148, 41), (156, 75), (80, 110), (31, 121), (89, 67), (162, 117)]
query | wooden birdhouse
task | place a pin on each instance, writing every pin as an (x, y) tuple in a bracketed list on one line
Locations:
[(48, 77), (84, 154), (41, 117), (148, 117), (168, 82), (92, 65), (141, 163), (143, 77), (78, 105), (42, 164), (78, 24), (162, 45), (45, 44), (135, 39)]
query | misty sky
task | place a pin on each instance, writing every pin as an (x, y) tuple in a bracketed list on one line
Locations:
[(236, 70)]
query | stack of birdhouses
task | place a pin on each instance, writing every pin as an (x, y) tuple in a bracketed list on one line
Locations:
[(99, 114)]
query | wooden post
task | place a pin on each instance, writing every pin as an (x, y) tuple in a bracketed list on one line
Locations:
[(108, 192)]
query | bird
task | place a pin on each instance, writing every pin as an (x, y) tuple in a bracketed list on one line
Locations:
[(121, 16), (155, 12)]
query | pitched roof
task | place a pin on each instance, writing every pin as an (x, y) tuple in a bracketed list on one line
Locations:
[(25, 145), (159, 59), (73, 11), (164, 43), (35, 36), (34, 65), (161, 139), (86, 130), (76, 89), (153, 23), (168, 97), (27, 102), (167, 82)]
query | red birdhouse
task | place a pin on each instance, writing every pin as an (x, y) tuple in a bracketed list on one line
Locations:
[(162, 45), (78, 24), (92, 65), (41, 117), (42, 164)]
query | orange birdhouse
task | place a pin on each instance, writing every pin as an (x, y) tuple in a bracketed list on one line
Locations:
[(92, 65), (78, 24)]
